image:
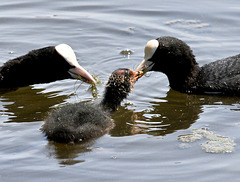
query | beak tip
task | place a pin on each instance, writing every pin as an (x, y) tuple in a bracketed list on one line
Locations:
[(137, 75), (81, 74), (93, 82), (145, 66), (87, 78)]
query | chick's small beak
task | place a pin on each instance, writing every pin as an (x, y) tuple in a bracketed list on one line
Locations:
[(81, 74), (137, 75)]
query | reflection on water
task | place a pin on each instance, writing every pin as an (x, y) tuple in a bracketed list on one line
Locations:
[(173, 112), (176, 111), (27, 104), (66, 153)]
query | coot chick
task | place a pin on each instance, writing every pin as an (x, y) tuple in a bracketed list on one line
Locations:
[(42, 66), (173, 57), (83, 121)]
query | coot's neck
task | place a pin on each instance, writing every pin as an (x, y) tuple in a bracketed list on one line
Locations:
[(114, 94), (38, 66), (184, 80), (175, 58)]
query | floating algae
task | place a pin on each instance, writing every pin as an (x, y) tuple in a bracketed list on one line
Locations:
[(215, 143), (93, 88), (126, 52), (225, 146), (190, 137)]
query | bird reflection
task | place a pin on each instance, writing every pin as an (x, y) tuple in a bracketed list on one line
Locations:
[(67, 153), (174, 112), (27, 104)]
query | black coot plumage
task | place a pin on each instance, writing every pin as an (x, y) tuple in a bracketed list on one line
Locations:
[(83, 121), (42, 66), (175, 58)]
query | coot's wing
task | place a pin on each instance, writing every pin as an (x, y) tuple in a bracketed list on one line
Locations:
[(222, 76), (227, 86)]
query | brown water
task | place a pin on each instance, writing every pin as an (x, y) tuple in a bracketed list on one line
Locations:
[(144, 145)]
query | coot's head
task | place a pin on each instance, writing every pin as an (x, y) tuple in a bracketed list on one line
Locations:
[(168, 55), (74, 70)]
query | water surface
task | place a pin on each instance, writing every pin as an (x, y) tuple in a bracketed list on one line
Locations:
[(144, 145)]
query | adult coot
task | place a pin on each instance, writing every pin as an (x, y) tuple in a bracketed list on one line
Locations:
[(175, 58), (82, 121), (42, 66)]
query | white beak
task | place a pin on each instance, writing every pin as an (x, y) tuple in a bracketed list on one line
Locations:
[(145, 66), (80, 73)]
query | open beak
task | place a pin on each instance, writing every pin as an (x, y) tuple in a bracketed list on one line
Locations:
[(145, 66), (81, 74), (137, 75)]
